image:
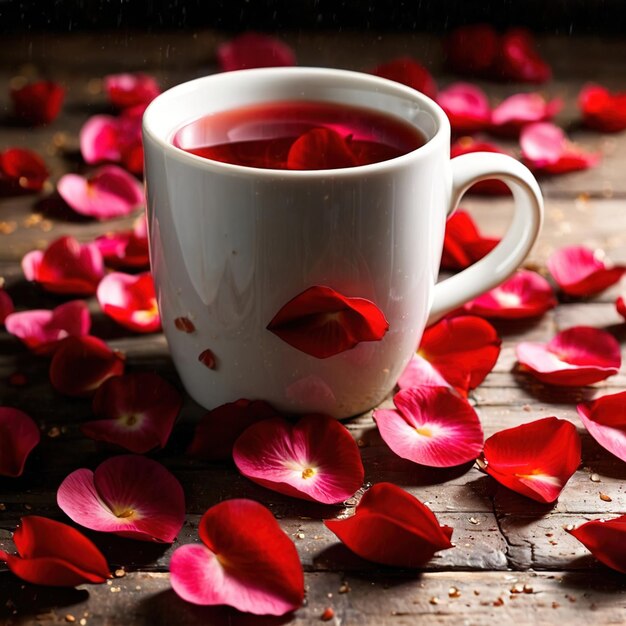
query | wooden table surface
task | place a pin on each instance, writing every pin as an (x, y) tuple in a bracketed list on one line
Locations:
[(502, 540)]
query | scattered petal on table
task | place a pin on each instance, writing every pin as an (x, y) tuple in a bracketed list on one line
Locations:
[(254, 50), (126, 249), (521, 109), (18, 436), (472, 50), (605, 539), (605, 419), (409, 72), (463, 244), (38, 103), (22, 170), (468, 145), (466, 106), (519, 59), (420, 373), (129, 90), (603, 110)]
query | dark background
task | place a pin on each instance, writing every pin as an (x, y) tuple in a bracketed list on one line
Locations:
[(553, 16)]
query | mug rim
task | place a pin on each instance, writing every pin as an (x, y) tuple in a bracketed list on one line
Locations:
[(376, 82)]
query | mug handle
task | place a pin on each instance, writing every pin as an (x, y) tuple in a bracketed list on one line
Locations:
[(507, 256)]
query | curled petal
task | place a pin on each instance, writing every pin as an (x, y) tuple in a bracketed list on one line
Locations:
[(519, 59), (534, 459), (254, 50), (523, 108), (322, 322), (99, 139), (18, 436), (409, 72), (463, 244), (129, 90), (54, 554), (580, 271), (39, 102), (468, 145), (81, 364), (605, 419), (6, 305), (605, 539), (317, 459), (245, 561), (127, 495), (577, 356), (603, 110), (127, 249), (22, 170), (432, 426), (42, 330), (392, 527), (466, 106), (320, 149)]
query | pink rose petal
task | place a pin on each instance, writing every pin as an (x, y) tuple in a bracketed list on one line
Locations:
[(99, 139), (605, 419), (129, 90), (420, 373), (523, 108), (467, 107), (18, 436)]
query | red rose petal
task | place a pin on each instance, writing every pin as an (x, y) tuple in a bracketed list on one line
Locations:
[(22, 170), (620, 305), (316, 459), (320, 149), (6, 305), (605, 539), (526, 294), (432, 426), (218, 429), (605, 419), (39, 102), (322, 322), (462, 349), (129, 495), (577, 356), (65, 266), (519, 60), (472, 50), (392, 527), (521, 109), (18, 436), (534, 459), (468, 145), (254, 50), (130, 300), (603, 110), (580, 271), (81, 364), (135, 411), (409, 72), (127, 249), (463, 244), (129, 90), (54, 554), (466, 106), (246, 562), (41, 330)]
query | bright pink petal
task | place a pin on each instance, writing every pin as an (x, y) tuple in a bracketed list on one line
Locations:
[(99, 139), (432, 426), (580, 271), (466, 106), (605, 419), (603, 110), (126, 249), (525, 294), (246, 562), (6, 305), (130, 300), (41, 330), (18, 436), (534, 459), (128, 495), (39, 102), (420, 373), (107, 193), (523, 108), (254, 50), (605, 539), (136, 411), (129, 90), (409, 72), (577, 356), (317, 459), (519, 60)]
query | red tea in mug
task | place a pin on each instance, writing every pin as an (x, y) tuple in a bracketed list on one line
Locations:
[(299, 135)]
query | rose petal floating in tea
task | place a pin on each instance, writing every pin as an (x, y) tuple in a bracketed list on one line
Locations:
[(577, 356), (316, 459), (254, 50), (534, 459), (54, 554), (39, 102), (130, 300), (603, 110), (581, 271), (135, 411), (463, 243), (218, 429), (128, 495), (526, 294), (65, 266), (605, 420), (41, 330), (18, 436), (322, 322), (81, 364), (320, 149), (521, 109), (245, 561), (6, 305), (466, 106), (605, 539), (409, 72), (469, 145), (392, 527), (22, 170), (126, 249), (129, 90)]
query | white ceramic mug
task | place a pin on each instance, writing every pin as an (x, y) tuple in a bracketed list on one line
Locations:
[(230, 245)]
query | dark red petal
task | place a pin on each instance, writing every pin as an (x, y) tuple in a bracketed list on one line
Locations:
[(254, 50), (409, 72), (534, 459), (55, 554), (392, 527), (218, 429), (320, 149), (38, 103), (603, 110), (18, 436), (6, 305), (468, 145), (472, 50), (620, 305), (463, 244), (605, 539), (23, 169), (322, 322), (81, 364), (519, 59)]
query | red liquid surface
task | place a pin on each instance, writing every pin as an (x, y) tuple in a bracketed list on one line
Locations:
[(299, 135)]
